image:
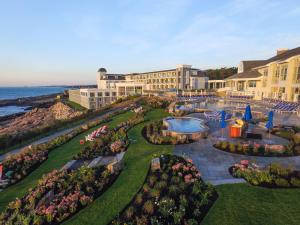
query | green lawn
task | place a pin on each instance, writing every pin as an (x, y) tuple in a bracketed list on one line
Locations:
[(75, 105), (244, 204), (137, 161), (57, 158)]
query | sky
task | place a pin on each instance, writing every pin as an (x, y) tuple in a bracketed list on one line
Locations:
[(64, 42)]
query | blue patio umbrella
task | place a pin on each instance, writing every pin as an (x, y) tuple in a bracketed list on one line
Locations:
[(269, 124), (248, 114), (223, 122)]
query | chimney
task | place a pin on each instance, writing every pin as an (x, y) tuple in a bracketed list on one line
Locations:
[(281, 50)]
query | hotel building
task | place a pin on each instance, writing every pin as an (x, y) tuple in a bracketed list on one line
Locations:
[(276, 78), (114, 86)]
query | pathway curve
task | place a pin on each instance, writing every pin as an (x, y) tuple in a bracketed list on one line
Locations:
[(213, 163), (56, 134)]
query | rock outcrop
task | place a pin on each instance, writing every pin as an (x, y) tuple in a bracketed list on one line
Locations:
[(39, 118)]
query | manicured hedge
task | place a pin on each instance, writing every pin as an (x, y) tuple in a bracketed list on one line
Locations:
[(175, 194)]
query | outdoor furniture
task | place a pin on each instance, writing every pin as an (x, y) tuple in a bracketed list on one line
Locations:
[(236, 129), (253, 135)]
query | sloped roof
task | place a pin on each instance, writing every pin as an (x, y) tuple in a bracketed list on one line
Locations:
[(249, 64), (283, 56), (246, 75)]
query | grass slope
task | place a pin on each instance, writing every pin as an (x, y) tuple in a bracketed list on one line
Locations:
[(137, 159), (57, 158), (242, 204)]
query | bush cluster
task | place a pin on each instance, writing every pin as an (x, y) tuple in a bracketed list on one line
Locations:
[(153, 134), (273, 175), (111, 143), (58, 195), (175, 194), (257, 149)]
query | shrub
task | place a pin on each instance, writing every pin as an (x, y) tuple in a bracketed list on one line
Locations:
[(152, 180), (139, 199), (166, 207), (281, 182), (161, 185), (146, 188), (173, 190), (295, 182), (232, 147), (154, 193), (148, 207), (164, 176), (224, 145), (175, 180), (129, 212)]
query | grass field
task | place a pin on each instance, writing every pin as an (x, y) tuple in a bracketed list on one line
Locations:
[(242, 204), (137, 162), (57, 158)]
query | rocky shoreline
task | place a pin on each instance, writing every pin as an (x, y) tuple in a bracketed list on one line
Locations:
[(36, 101), (42, 101)]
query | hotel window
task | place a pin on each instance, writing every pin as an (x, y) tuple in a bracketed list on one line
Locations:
[(106, 94), (277, 72), (92, 94), (281, 90), (265, 72), (298, 73), (99, 94), (114, 94), (283, 72)]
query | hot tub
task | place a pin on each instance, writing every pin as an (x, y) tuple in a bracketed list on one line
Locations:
[(185, 127)]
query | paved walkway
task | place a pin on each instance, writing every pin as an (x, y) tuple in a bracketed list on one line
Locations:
[(213, 163), (55, 135)]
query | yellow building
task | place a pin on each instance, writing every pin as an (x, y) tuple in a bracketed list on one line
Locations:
[(275, 78)]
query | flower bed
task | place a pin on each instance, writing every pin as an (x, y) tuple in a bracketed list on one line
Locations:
[(173, 194), (273, 175), (110, 143), (257, 149), (21, 164), (152, 132), (58, 195)]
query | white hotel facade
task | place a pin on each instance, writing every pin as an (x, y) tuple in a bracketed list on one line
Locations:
[(110, 87)]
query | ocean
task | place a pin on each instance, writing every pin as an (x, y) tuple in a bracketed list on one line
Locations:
[(21, 92)]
